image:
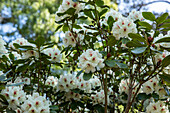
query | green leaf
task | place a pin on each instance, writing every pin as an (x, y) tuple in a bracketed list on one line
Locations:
[(166, 78), (165, 39), (136, 36), (110, 63), (125, 40), (103, 12), (110, 22), (80, 103), (167, 20), (139, 50), (3, 99), (143, 96), (99, 3), (166, 61), (20, 61), (23, 67), (73, 105), (65, 28), (39, 41), (16, 45), (87, 76), (70, 11), (162, 18), (149, 16), (16, 84), (77, 26), (78, 74), (99, 108), (166, 25), (122, 65), (134, 44), (111, 41), (54, 107), (11, 56), (3, 76), (58, 27), (145, 24), (88, 13)]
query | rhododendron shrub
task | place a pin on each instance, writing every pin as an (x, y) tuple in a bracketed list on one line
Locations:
[(105, 63)]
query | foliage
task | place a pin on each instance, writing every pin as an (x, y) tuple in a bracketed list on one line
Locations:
[(113, 63)]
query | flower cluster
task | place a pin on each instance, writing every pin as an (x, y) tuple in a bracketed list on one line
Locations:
[(69, 39), (71, 95), (66, 82), (116, 15), (99, 98), (158, 107), (23, 42), (123, 27), (26, 80), (135, 15), (54, 53), (14, 95), (3, 50), (36, 104), (90, 60), (124, 87), (19, 41), (66, 4), (51, 81), (153, 85)]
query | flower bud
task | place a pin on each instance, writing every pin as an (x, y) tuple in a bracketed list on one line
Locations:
[(150, 39), (109, 55)]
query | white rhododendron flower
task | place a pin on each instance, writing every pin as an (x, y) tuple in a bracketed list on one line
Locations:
[(69, 39), (36, 104), (124, 87), (66, 82), (135, 15), (116, 15), (14, 95), (123, 27), (66, 4), (90, 61), (159, 57), (95, 82), (54, 53), (158, 107), (99, 98), (3, 49), (148, 87), (19, 41), (71, 95), (51, 81), (23, 42), (153, 86), (26, 80)]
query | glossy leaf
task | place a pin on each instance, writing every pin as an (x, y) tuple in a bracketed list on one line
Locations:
[(87, 76), (136, 36), (139, 50), (165, 39), (149, 16), (166, 61), (145, 24), (162, 18)]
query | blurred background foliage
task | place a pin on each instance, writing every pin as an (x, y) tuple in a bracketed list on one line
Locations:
[(36, 18)]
